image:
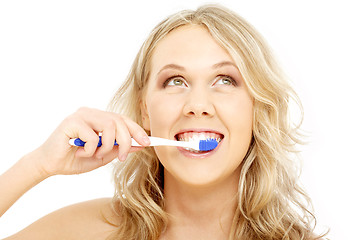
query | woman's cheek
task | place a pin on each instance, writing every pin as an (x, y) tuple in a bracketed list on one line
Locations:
[(163, 110)]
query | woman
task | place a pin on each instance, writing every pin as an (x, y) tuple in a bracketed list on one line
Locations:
[(199, 73)]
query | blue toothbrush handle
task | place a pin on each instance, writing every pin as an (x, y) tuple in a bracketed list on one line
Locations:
[(79, 143)]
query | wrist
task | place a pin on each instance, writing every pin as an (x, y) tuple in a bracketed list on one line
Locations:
[(17, 180), (31, 165)]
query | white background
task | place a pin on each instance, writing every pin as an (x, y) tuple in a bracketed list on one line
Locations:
[(56, 56)]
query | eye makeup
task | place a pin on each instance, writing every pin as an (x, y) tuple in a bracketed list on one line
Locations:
[(173, 78), (223, 75), (231, 80)]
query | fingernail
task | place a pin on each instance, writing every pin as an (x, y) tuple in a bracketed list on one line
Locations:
[(123, 157), (146, 140)]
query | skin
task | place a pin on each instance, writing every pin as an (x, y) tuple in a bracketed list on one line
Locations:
[(89, 220), (200, 192)]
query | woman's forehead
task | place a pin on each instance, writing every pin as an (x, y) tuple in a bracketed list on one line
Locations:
[(191, 46)]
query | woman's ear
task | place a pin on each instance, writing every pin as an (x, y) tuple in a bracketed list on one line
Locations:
[(144, 116)]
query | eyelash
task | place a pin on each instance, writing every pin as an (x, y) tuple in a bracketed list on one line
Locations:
[(170, 79), (234, 82)]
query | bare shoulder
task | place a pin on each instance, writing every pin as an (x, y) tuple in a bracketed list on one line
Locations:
[(93, 219)]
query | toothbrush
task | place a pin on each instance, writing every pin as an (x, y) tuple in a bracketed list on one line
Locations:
[(199, 145)]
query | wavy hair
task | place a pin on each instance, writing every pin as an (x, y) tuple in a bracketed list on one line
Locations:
[(271, 204)]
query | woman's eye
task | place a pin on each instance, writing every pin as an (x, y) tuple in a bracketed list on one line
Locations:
[(226, 80), (174, 81)]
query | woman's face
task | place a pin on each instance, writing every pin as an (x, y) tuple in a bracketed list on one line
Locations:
[(196, 90)]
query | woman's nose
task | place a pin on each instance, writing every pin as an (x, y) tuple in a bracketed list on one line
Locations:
[(198, 104)]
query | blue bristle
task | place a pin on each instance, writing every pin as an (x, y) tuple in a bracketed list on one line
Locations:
[(207, 145)]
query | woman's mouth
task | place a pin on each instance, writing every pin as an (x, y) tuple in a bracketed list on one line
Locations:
[(196, 136)]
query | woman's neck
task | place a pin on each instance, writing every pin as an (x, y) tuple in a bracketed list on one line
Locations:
[(200, 211)]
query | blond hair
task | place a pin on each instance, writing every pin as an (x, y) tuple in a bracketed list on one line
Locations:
[(271, 205)]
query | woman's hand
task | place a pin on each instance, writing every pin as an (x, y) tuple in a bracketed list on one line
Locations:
[(57, 156)]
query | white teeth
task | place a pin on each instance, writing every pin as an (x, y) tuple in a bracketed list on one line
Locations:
[(195, 136)]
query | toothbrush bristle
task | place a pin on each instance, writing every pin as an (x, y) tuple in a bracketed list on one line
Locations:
[(208, 144)]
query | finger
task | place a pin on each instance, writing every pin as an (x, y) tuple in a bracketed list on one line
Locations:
[(108, 140), (89, 136), (137, 132), (110, 156), (96, 119), (123, 139), (135, 149), (89, 163)]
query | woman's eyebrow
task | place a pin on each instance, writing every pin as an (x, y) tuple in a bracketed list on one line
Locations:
[(171, 66), (181, 68), (224, 63)]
